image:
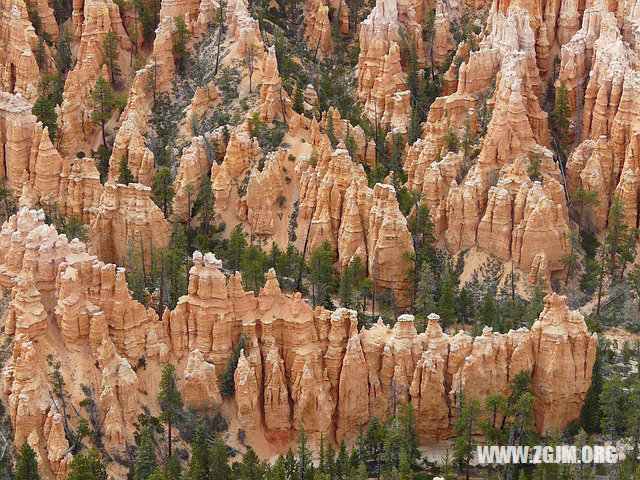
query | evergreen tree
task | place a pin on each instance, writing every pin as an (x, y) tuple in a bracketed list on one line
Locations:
[(304, 454), (590, 414), (351, 284), (125, 176), (374, 444), (163, 192), (633, 280), (26, 464), (145, 463), (583, 200), (298, 99), (616, 230), (488, 314), (465, 306), (111, 51), (408, 427), (536, 303), (322, 274), (76, 228), (632, 420), (464, 426), (611, 406), (220, 459), (253, 266), (447, 303), (173, 469), (44, 109), (182, 36), (63, 47), (87, 467), (236, 247), (561, 114), (250, 466), (200, 465), (103, 103), (227, 383), (169, 399)]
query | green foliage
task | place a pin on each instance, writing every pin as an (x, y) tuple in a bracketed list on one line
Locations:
[(298, 99), (227, 383), (87, 467), (354, 285), (163, 192), (26, 464), (253, 266), (145, 463), (103, 103), (149, 14), (452, 140), (269, 138), (181, 37), (561, 114), (535, 162), (74, 227), (250, 468), (463, 427), (169, 399), (236, 247), (200, 465), (111, 51), (44, 109), (447, 302), (590, 414), (125, 176), (322, 275), (63, 47), (612, 421), (102, 156)]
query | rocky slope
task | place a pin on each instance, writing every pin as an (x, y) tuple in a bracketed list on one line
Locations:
[(298, 364)]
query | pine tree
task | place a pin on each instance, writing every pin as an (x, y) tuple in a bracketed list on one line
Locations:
[(145, 463), (583, 200), (464, 426), (236, 246), (488, 314), (220, 459), (125, 176), (163, 192), (169, 399), (111, 52), (590, 414), (632, 420), (374, 442), (87, 467), (253, 266), (26, 464), (616, 230), (200, 465), (103, 103), (298, 99), (44, 109), (611, 402), (182, 36), (561, 114), (304, 454), (447, 303), (227, 383), (173, 469), (250, 466), (322, 275), (407, 417)]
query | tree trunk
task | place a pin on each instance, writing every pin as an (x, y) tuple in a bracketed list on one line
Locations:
[(600, 282), (104, 137), (169, 431)]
